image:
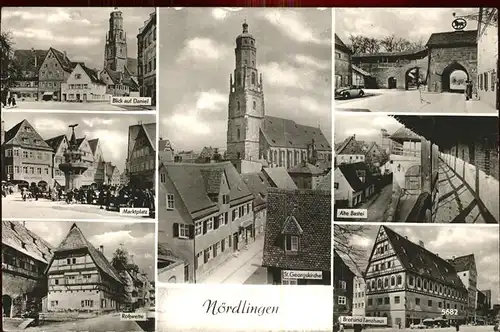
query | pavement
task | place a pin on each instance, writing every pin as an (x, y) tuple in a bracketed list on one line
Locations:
[(103, 323), (239, 267), (378, 205), (464, 328), (392, 100), (90, 106), (456, 203), (13, 206)]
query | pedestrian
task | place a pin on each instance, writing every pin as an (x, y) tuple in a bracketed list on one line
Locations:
[(457, 326), (13, 101), (496, 328)]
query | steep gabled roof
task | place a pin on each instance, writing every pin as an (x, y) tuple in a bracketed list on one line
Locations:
[(132, 66), (212, 179), (18, 237), (340, 44), (92, 74), (279, 178), (76, 240), (311, 210), (16, 136), (453, 38), (281, 132), (351, 172), (257, 183), (190, 183), (63, 60), (150, 132), (116, 76), (55, 142), (404, 133), (93, 144), (306, 169), (356, 147), (421, 261), (326, 182), (463, 263)]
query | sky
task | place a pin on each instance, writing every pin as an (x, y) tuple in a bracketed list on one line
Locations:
[(137, 238), (197, 56), (414, 24), (111, 129), (365, 126), (81, 32), (449, 241)]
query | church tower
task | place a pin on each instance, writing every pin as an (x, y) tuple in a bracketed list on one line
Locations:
[(246, 101), (115, 50)]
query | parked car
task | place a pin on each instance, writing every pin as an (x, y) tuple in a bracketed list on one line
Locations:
[(349, 92), (418, 326)]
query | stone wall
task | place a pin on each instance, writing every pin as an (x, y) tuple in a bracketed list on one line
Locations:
[(441, 58), (486, 187), (343, 69), (17, 287), (383, 71)]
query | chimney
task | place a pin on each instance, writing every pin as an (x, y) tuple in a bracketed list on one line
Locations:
[(453, 257), (101, 248), (421, 243), (406, 237), (354, 136)]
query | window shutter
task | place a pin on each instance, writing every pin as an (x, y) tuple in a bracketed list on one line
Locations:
[(191, 231), (288, 242), (176, 229), (205, 227)]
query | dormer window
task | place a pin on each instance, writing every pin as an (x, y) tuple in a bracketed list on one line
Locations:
[(27, 129), (291, 243), (170, 202), (23, 244), (12, 226)]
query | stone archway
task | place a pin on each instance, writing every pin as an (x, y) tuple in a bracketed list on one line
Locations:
[(392, 82), (6, 306), (412, 78), (453, 78)]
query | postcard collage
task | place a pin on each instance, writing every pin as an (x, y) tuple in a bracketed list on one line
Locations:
[(250, 169)]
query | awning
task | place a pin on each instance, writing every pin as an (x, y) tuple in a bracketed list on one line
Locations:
[(48, 93)]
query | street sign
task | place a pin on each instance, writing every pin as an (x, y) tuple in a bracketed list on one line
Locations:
[(459, 24), (290, 274)]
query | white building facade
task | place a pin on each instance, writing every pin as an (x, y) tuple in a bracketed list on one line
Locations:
[(487, 56)]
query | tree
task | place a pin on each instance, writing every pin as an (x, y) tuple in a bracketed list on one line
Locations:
[(343, 245), (9, 69), (367, 45), (120, 259)]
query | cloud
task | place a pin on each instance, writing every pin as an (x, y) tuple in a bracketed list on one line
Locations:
[(294, 26), (211, 100), (362, 241), (113, 142), (97, 122), (366, 132), (47, 35), (202, 49), (285, 75), (310, 61), (50, 125), (56, 16), (450, 236)]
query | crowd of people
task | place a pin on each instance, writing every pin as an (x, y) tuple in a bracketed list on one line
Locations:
[(111, 198)]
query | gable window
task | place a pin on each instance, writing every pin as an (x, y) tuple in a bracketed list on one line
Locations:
[(210, 224), (342, 300), (291, 243), (254, 105), (225, 199), (170, 202), (162, 178), (400, 280), (342, 284), (78, 76)]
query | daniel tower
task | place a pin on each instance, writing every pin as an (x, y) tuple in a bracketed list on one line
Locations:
[(115, 50), (246, 101)]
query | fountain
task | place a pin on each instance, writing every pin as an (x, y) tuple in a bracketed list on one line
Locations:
[(73, 166)]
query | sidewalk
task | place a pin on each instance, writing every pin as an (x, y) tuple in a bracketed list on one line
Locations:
[(238, 267)]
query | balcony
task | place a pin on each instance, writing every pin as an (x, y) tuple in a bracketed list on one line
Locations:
[(75, 267), (400, 151)]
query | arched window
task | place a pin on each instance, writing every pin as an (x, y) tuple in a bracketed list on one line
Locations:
[(400, 280), (253, 78), (254, 104), (238, 133), (238, 78), (386, 282), (379, 284), (172, 280), (411, 280), (425, 284), (419, 282), (393, 281), (238, 155), (373, 284), (238, 106)]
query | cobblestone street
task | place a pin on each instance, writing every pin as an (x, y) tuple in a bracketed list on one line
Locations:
[(14, 207), (385, 100)]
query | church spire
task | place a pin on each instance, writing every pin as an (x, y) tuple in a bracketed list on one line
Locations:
[(245, 26)]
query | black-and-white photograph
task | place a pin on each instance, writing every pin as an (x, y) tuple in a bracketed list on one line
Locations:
[(70, 58), (432, 277), (59, 276), (432, 60), (406, 168), (78, 166), (245, 152)]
